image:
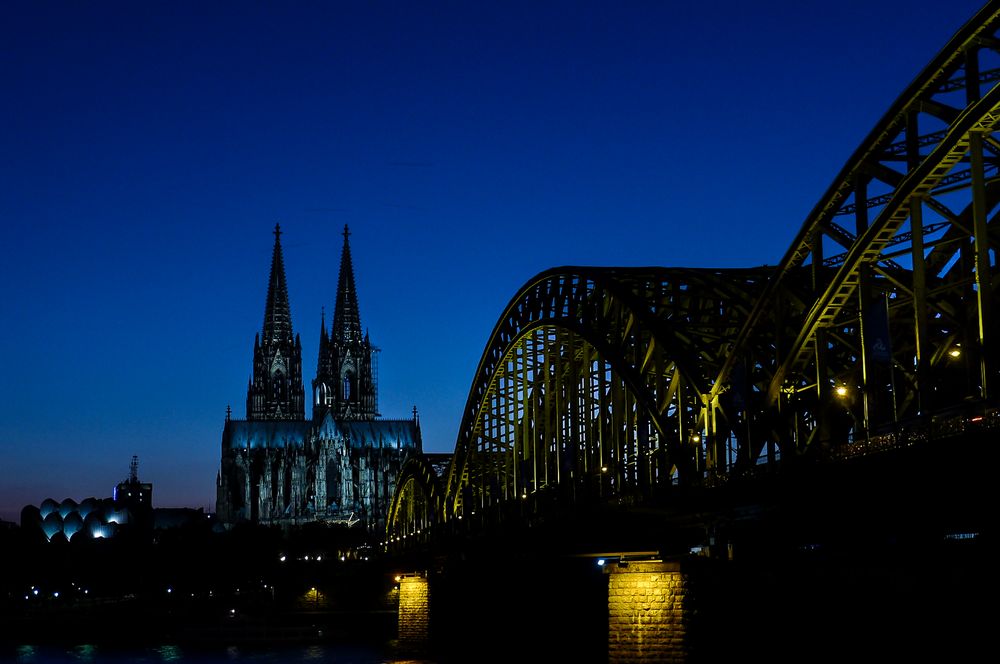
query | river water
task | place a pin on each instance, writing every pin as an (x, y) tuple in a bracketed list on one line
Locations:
[(314, 654)]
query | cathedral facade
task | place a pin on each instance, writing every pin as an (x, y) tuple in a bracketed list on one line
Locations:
[(341, 465)]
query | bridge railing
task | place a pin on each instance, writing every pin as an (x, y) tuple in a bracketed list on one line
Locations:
[(965, 420), (911, 433)]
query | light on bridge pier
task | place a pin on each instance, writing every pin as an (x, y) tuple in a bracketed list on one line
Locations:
[(647, 609), (413, 607)]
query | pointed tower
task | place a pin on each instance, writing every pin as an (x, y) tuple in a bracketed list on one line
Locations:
[(346, 374), (275, 391)]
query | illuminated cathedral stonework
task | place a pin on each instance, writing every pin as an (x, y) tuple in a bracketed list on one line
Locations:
[(341, 466)]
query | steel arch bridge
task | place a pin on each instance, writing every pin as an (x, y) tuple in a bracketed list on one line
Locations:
[(879, 323)]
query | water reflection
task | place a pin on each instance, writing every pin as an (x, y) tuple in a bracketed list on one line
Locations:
[(313, 653), (85, 653), (303, 654), (26, 654), (170, 653)]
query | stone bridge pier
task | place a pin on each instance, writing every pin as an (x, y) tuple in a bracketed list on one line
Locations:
[(648, 612), (623, 611)]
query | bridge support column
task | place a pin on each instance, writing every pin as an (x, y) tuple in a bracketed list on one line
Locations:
[(414, 610), (647, 619)]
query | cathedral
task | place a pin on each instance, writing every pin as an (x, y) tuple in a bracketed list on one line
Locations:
[(338, 467)]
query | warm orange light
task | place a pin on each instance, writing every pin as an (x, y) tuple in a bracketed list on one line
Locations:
[(955, 352), (841, 391)]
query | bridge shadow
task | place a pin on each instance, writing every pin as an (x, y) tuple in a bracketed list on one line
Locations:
[(884, 555)]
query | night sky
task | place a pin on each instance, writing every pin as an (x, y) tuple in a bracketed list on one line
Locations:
[(147, 149)]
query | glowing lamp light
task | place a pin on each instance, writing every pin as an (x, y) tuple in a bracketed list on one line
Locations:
[(841, 391), (282, 559), (955, 352), (604, 469), (600, 562), (696, 438), (398, 578)]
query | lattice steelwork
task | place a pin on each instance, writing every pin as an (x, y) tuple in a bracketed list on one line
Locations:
[(867, 329), (416, 503), (879, 321), (595, 381)]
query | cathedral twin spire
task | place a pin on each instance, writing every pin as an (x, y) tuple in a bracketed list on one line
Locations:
[(275, 391), (277, 313), (346, 318), (345, 383)]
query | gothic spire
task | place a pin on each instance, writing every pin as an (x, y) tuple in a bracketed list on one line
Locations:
[(275, 391), (324, 342), (277, 314), (346, 318)]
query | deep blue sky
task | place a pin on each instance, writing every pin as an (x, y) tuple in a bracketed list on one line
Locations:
[(147, 149)]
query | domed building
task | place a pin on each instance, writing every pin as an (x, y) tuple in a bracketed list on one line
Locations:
[(131, 505)]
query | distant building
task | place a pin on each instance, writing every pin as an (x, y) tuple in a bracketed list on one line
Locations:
[(135, 496), (277, 466), (97, 518)]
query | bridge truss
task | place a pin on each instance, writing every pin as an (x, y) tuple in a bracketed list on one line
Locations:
[(880, 318)]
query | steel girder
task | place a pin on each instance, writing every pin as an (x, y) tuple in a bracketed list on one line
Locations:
[(675, 375), (592, 369), (418, 499), (900, 318)]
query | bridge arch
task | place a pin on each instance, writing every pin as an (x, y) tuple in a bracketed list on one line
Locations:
[(418, 501), (594, 380), (881, 316), (886, 293)]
